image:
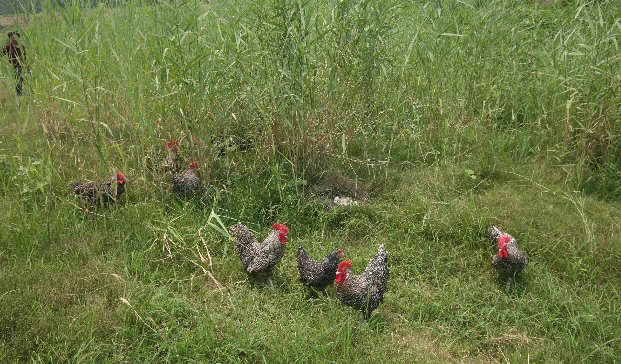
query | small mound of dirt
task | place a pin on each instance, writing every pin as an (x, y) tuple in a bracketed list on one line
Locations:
[(338, 189)]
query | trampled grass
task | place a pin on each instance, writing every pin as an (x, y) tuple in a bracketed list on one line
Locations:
[(455, 114)]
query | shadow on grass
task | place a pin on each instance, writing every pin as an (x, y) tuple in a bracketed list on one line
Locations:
[(379, 322), (517, 287), (280, 284), (312, 294)]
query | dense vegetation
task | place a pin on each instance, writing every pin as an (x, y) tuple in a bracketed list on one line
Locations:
[(455, 114)]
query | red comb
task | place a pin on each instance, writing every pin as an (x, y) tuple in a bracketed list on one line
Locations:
[(346, 264), (503, 240), (120, 178), (284, 229), (194, 165)]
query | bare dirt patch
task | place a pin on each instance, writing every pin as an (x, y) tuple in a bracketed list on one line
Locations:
[(6, 21), (22, 20)]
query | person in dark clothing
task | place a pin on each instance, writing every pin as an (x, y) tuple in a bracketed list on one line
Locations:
[(17, 56)]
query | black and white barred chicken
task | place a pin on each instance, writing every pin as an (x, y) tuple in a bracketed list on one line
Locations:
[(173, 161), (318, 274), (186, 184), (365, 291), (509, 259), (259, 260), (100, 193)]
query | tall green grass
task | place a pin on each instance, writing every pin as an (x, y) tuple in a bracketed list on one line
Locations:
[(456, 113)]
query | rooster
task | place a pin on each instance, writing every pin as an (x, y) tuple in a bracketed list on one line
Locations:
[(186, 184), (509, 259), (363, 292), (100, 193), (317, 274), (260, 259)]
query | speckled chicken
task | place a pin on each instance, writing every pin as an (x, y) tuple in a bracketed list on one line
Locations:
[(186, 184), (318, 274), (173, 161), (363, 292), (100, 192), (260, 259), (509, 259)]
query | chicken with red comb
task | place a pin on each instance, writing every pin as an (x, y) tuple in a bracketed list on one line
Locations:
[(259, 260), (509, 260), (100, 193), (365, 291), (317, 274), (186, 184), (173, 161)]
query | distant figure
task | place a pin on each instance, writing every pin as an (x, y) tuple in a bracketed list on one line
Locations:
[(17, 56)]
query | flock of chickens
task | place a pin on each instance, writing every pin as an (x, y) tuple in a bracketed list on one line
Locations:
[(184, 184), (363, 292)]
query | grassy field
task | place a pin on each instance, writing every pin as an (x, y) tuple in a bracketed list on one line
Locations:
[(453, 114)]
